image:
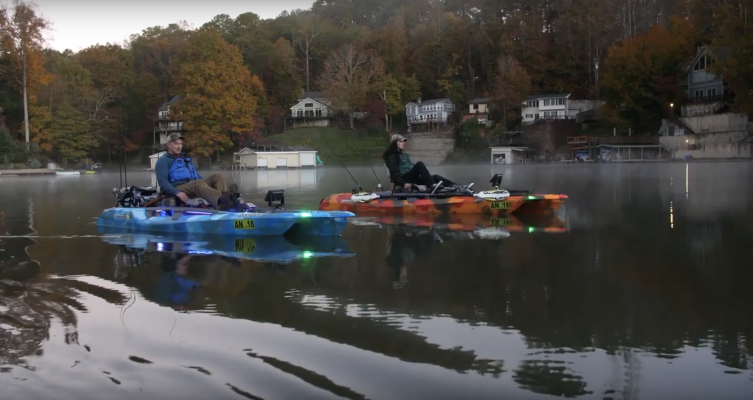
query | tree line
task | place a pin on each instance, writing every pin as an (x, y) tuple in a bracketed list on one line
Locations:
[(238, 77)]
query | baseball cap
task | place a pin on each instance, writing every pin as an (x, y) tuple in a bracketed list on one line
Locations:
[(175, 136), (397, 137)]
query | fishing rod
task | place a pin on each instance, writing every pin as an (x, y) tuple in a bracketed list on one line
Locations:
[(346, 168), (379, 184)]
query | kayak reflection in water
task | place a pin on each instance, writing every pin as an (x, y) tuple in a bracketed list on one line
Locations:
[(405, 246)]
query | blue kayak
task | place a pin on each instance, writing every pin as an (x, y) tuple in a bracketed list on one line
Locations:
[(138, 211), (278, 249)]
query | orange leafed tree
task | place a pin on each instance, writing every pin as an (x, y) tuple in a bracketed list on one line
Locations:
[(642, 73), (512, 86), (217, 92)]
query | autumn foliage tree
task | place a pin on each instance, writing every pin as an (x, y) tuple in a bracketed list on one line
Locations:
[(351, 75), (513, 85), (217, 93), (642, 74), (21, 39), (736, 35)]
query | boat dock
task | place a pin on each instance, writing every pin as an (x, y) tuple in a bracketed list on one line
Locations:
[(26, 172), (43, 171), (618, 148)]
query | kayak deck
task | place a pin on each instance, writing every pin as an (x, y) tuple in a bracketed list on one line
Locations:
[(260, 222), (419, 203)]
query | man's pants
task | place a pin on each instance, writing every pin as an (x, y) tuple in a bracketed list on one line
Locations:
[(209, 188)]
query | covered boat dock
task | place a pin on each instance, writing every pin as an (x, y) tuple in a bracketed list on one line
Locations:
[(618, 148)]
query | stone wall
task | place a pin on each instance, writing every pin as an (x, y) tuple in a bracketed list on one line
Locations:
[(430, 147), (727, 122), (711, 145)]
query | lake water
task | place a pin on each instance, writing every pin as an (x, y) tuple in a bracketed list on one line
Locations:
[(645, 293)]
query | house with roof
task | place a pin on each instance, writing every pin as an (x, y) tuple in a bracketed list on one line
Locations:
[(312, 109), (555, 106), (431, 111), (273, 157), (545, 107), (705, 90), (163, 127), (478, 108)]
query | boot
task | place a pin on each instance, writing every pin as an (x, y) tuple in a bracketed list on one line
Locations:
[(228, 199)]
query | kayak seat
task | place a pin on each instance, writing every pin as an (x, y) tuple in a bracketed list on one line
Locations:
[(172, 201), (392, 189)]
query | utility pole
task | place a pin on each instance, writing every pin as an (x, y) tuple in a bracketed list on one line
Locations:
[(386, 112)]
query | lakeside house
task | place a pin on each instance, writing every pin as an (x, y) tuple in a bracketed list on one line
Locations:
[(312, 109), (163, 127), (431, 111), (478, 108), (555, 106)]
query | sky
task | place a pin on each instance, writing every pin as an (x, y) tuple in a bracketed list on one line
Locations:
[(77, 24)]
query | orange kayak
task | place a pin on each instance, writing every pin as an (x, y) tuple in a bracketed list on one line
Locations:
[(438, 204)]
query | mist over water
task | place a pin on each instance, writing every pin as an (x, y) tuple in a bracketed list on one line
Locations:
[(645, 294)]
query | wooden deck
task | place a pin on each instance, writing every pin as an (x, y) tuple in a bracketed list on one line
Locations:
[(26, 172)]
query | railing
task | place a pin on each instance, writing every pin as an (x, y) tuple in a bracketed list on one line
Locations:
[(167, 125), (322, 115), (415, 120), (616, 140), (706, 128), (541, 120), (702, 100), (267, 144)]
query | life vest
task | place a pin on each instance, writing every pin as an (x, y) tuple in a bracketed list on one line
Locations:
[(404, 163), (182, 171)]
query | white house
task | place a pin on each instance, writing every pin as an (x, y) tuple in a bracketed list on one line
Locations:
[(285, 157), (163, 126), (546, 106), (555, 106), (312, 109), (429, 111)]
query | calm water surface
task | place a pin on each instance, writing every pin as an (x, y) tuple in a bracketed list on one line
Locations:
[(646, 294)]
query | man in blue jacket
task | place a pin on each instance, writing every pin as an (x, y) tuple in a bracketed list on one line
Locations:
[(177, 176)]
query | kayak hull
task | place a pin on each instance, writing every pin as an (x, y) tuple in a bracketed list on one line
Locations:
[(212, 222), (439, 205)]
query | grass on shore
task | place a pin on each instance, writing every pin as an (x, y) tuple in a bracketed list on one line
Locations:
[(351, 146)]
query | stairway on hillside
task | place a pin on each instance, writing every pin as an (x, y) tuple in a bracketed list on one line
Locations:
[(430, 147)]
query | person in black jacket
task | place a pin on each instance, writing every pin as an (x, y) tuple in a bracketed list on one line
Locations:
[(404, 173)]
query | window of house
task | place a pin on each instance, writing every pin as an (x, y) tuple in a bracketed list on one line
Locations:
[(309, 105), (299, 113), (699, 94), (701, 64), (712, 93), (529, 116), (560, 102), (475, 106), (318, 112)]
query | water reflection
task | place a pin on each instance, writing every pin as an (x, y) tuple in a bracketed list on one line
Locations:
[(624, 301)]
